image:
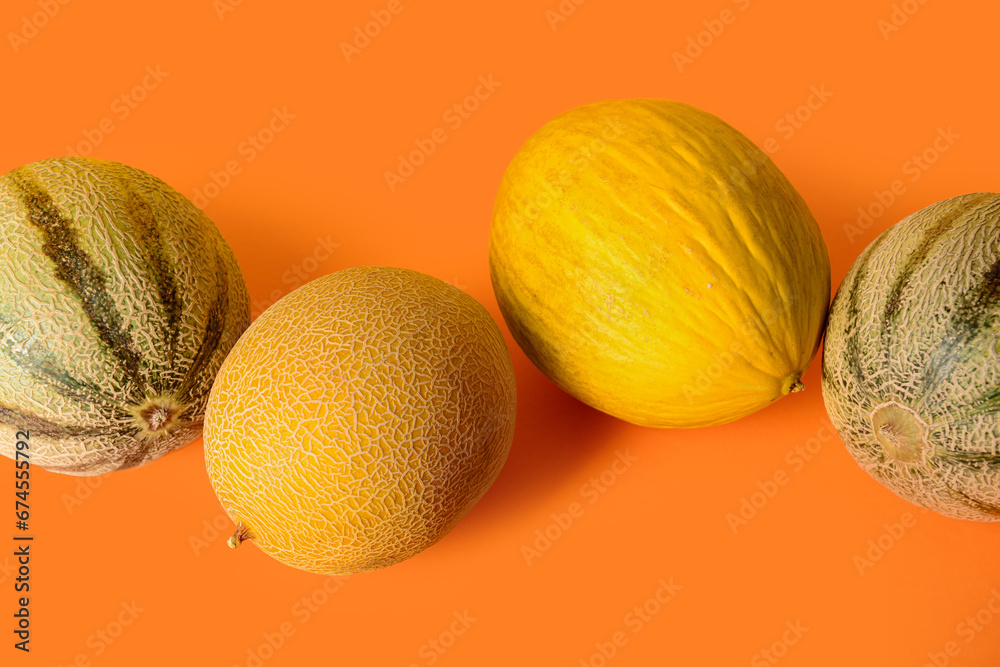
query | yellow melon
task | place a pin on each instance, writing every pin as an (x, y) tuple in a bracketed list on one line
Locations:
[(359, 419), (653, 262)]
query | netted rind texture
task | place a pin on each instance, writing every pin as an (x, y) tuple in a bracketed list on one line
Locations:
[(360, 418), (915, 323), (115, 291)]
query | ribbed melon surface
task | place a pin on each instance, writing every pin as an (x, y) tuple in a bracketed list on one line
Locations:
[(119, 300), (911, 372)]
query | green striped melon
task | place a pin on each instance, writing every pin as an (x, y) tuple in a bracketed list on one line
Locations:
[(119, 300), (911, 372)]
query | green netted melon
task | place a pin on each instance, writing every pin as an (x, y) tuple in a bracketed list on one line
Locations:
[(119, 300), (911, 372)]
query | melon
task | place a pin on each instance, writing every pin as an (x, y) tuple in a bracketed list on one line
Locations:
[(119, 299), (359, 419), (911, 373), (654, 263)]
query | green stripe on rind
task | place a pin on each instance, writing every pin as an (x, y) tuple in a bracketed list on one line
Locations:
[(34, 359), (75, 267), (149, 240), (215, 325), (966, 323), (986, 403), (975, 458), (45, 369), (852, 349), (136, 454), (984, 507), (78, 469), (915, 261), (41, 427), (944, 358), (214, 328)]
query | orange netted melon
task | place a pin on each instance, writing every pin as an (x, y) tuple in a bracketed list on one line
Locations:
[(359, 419), (911, 370), (653, 262), (119, 300)]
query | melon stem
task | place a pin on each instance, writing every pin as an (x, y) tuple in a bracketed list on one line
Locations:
[(241, 535), (157, 416), (791, 384), (901, 431)]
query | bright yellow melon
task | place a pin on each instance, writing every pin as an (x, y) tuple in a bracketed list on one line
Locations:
[(653, 262), (359, 419)]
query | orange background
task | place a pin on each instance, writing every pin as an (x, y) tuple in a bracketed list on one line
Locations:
[(144, 536)]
